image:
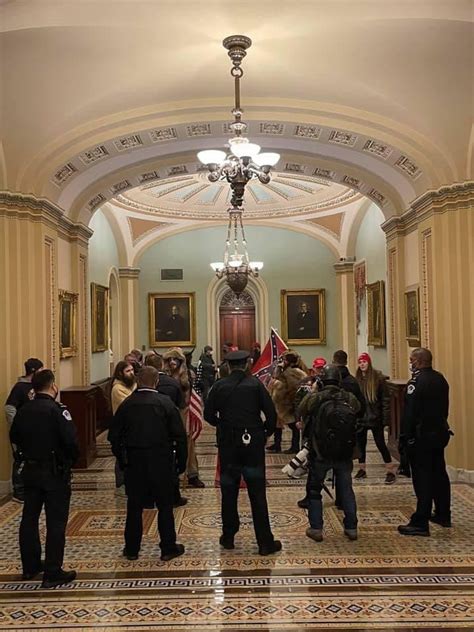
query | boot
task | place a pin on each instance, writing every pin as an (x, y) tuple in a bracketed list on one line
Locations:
[(390, 476), (295, 440), (276, 445)]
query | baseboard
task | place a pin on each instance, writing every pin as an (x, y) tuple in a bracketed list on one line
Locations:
[(458, 475), (5, 488)]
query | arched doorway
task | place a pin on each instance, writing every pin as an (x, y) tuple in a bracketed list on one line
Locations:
[(237, 319)]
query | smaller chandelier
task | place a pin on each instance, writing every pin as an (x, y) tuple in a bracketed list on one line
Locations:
[(244, 161), (236, 267)]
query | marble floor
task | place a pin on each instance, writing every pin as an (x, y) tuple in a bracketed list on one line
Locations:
[(382, 581)]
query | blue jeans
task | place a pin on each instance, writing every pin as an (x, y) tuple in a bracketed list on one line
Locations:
[(317, 475)]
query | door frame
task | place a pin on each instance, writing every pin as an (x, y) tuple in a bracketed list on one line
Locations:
[(259, 293)]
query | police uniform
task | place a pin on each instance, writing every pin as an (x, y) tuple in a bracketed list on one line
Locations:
[(234, 405), (45, 436), (143, 431), (425, 432)]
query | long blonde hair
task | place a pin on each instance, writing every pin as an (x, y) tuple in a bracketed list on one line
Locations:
[(369, 382)]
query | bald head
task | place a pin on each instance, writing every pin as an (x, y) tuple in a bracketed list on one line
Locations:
[(148, 377)]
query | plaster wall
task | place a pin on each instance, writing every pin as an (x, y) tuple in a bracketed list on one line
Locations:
[(103, 256), (292, 261), (371, 246), (65, 375)]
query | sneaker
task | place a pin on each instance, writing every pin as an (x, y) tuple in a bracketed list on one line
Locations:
[(351, 534), (268, 550), (303, 503), (361, 474), (227, 542), (442, 522), (18, 499), (409, 529), (195, 481), (58, 579), (176, 552), (315, 534), (130, 556), (390, 478)]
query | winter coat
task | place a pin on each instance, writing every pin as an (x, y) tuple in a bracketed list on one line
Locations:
[(376, 413), (283, 392)]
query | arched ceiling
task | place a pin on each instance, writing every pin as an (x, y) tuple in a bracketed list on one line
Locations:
[(99, 95)]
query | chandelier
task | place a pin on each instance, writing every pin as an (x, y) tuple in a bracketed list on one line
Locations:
[(236, 267), (244, 160)]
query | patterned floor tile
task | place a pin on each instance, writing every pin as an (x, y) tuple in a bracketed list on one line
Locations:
[(382, 581)]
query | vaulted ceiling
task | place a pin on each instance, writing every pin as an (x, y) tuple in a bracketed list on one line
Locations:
[(107, 103)]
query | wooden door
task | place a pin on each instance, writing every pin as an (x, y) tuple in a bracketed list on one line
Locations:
[(238, 327)]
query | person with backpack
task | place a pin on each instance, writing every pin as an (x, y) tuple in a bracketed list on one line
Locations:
[(373, 385), (330, 417)]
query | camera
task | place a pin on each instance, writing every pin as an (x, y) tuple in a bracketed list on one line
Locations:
[(298, 466)]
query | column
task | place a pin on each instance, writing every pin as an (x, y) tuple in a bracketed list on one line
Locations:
[(346, 308), (129, 307)]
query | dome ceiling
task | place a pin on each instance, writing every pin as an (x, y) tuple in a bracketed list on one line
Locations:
[(193, 197)]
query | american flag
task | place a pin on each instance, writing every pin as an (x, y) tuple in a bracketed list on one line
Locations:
[(265, 365), (194, 415)]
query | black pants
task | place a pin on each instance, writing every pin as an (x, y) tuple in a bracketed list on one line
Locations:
[(134, 527), (56, 499), (254, 476), (379, 439), (431, 484)]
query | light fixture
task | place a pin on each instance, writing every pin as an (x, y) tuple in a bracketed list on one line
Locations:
[(243, 162), (236, 267)]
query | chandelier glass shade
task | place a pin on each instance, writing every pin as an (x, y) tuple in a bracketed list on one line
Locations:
[(236, 267), (243, 161)]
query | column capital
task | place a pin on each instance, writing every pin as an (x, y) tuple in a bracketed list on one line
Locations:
[(129, 273), (455, 197), (345, 265)]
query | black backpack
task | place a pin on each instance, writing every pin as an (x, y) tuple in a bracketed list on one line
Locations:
[(334, 429)]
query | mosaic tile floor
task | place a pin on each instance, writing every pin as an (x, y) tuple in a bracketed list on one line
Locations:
[(382, 581)]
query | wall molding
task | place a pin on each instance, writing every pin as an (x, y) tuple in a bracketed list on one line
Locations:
[(455, 197), (129, 273), (29, 207)]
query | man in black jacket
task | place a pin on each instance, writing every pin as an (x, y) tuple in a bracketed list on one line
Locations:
[(348, 381), (234, 405), (425, 432), (45, 436), (144, 431)]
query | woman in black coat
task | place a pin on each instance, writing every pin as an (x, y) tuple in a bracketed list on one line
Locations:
[(377, 415)]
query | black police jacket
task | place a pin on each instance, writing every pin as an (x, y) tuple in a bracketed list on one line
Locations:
[(145, 431), (425, 415), (234, 404), (44, 433)]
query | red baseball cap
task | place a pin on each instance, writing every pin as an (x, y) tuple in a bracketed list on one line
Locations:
[(318, 363), (364, 357)]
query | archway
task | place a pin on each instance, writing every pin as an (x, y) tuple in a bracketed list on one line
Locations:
[(114, 319), (237, 320)]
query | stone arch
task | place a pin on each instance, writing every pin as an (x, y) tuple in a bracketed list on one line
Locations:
[(258, 291)]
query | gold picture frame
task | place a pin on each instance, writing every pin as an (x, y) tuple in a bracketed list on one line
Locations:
[(67, 323), (100, 317), (303, 316), (412, 317), (172, 319), (376, 335)]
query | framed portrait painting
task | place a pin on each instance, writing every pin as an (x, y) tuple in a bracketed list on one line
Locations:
[(67, 323), (172, 319), (100, 317), (376, 314), (303, 317), (412, 317)]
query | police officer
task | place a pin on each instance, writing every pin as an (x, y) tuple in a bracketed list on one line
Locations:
[(425, 432), (234, 405), (142, 434), (45, 436)]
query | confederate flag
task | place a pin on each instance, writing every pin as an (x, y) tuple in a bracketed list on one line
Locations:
[(265, 365)]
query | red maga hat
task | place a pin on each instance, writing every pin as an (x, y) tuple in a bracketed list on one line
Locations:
[(364, 357), (318, 363)]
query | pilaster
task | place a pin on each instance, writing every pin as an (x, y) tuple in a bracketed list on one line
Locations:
[(129, 306), (347, 309)]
